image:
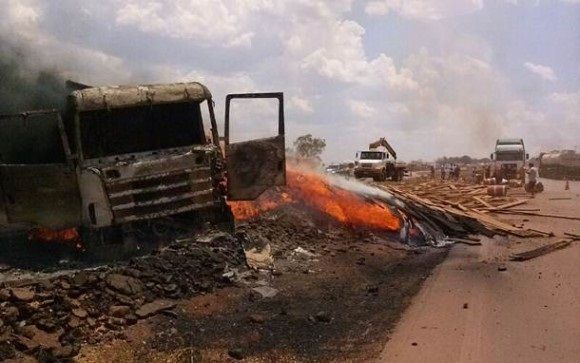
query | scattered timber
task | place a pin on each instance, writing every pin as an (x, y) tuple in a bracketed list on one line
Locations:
[(575, 237), (549, 234), (456, 210), (528, 255), (539, 214), (465, 241)]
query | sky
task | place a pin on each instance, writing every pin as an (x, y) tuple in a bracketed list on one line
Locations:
[(435, 77)]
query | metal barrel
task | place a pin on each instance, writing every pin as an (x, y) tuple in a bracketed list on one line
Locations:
[(497, 190)]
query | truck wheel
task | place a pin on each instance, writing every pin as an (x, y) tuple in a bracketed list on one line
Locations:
[(399, 175)]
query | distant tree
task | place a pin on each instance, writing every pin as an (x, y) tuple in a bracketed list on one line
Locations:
[(308, 147), (465, 159)]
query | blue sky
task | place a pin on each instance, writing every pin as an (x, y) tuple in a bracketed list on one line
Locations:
[(436, 77)]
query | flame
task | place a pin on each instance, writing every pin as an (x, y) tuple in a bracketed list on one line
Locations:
[(315, 191), (67, 236)]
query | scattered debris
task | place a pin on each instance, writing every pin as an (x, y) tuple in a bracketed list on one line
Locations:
[(449, 210), (523, 256), (502, 267), (573, 235), (548, 234), (48, 319), (266, 291), (237, 353), (322, 317), (299, 251), (465, 241), (154, 307), (260, 259)]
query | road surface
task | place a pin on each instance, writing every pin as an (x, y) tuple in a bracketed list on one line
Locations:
[(469, 311)]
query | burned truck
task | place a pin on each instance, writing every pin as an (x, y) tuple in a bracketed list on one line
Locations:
[(129, 155)]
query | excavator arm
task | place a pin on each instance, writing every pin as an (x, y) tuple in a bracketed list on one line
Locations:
[(383, 142)]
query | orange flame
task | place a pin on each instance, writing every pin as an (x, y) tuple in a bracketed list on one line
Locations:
[(67, 236), (314, 191)]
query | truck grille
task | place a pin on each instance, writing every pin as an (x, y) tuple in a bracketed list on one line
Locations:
[(161, 194), (366, 165)]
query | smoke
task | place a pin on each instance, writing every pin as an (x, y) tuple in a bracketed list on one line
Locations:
[(360, 188), (22, 87)]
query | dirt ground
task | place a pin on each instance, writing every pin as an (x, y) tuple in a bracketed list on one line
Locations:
[(470, 311), (337, 294), (335, 305)]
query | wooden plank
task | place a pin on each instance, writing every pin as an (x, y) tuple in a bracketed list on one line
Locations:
[(524, 256), (465, 241), (538, 214), (549, 234), (575, 237), (509, 205), (483, 202)]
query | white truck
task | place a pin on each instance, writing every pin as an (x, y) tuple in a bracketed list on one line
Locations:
[(509, 159), (379, 162)]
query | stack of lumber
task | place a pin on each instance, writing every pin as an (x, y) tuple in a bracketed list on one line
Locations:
[(449, 210)]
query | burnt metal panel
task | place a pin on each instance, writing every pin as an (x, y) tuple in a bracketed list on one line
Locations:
[(45, 195), (161, 194), (256, 165)]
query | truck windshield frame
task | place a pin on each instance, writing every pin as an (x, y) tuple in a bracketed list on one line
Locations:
[(515, 155), (371, 155), (105, 133)]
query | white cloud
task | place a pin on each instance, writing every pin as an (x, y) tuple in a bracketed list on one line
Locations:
[(301, 104), (341, 56), (361, 109), (544, 72), (208, 21), (567, 99), (423, 9)]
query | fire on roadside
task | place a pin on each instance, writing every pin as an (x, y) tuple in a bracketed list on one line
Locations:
[(314, 190), (68, 236)]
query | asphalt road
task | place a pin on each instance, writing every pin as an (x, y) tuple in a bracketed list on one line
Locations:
[(469, 311)]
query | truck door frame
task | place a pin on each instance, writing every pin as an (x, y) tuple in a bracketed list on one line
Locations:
[(256, 165)]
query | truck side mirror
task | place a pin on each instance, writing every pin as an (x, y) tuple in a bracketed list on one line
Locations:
[(491, 156), (356, 155), (527, 156)]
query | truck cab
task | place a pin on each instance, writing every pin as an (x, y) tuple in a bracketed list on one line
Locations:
[(118, 155), (379, 162), (509, 159)]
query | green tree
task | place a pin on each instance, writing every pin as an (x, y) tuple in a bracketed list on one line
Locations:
[(308, 147)]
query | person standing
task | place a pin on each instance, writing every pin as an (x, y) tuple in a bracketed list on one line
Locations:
[(532, 173)]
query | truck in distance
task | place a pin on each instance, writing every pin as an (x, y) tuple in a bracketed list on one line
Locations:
[(379, 162), (509, 159)]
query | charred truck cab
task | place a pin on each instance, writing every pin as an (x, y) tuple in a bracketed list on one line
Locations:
[(120, 155)]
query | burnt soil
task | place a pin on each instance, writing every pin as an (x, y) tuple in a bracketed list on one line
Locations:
[(338, 304)]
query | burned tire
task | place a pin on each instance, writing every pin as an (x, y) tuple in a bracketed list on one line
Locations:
[(398, 175)]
